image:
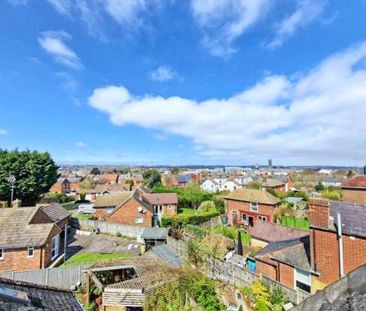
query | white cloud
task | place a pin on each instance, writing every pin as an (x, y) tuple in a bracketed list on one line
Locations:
[(316, 118), (306, 12), (127, 11), (3, 132), (53, 42), (61, 6), (164, 73), (81, 144), (67, 81), (223, 21)]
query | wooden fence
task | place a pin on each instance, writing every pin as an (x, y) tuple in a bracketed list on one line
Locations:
[(238, 277), (105, 227), (63, 278), (212, 222)]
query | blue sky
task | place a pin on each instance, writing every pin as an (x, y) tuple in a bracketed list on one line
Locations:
[(185, 82)]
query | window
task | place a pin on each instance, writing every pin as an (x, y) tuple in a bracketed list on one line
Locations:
[(244, 217), (262, 218), (302, 280), (139, 219), (254, 206), (55, 246), (1, 253), (30, 251), (170, 206), (234, 213), (109, 210)]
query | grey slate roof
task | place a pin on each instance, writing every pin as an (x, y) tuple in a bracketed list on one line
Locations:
[(167, 255), (41, 297), (294, 252), (293, 199), (15, 230), (55, 212), (155, 233), (353, 217)]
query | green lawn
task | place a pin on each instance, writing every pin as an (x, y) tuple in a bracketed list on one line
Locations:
[(83, 216), (186, 211), (89, 258), (293, 222)]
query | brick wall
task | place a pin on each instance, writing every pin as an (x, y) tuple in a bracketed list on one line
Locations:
[(266, 269), (324, 246), (319, 213), (354, 196), (286, 275), (170, 211), (47, 249), (128, 213), (263, 210), (18, 260)]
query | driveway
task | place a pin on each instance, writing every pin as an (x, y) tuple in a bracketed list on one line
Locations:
[(100, 243)]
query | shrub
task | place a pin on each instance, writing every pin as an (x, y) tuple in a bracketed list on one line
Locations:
[(180, 221)]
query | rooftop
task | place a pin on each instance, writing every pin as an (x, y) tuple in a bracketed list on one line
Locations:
[(17, 229), (269, 232), (253, 195), (272, 183), (161, 198), (295, 252), (112, 199), (353, 217), (40, 297), (355, 182)]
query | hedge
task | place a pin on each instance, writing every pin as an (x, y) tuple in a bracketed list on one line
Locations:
[(183, 220)]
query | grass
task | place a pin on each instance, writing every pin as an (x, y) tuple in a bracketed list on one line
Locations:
[(83, 216), (232, 233), (89, 258), (69, 206), (297, 223), (186, 211)]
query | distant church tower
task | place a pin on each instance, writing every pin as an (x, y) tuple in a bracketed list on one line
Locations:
[(270, 164)]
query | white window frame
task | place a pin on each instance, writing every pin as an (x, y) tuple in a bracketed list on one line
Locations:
[(2, 251), (30, 248), (244, 217), (56, 242), (234, 212), (308, 283), (254, 206), (110, 210), (139, 220)]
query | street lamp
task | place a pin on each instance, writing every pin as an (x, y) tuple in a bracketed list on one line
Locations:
[(11, 179)]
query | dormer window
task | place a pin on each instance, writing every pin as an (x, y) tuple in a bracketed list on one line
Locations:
[(254, 206)]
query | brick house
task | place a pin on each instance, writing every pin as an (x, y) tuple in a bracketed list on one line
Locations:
[(325, 243), (61, 186), (288, 262), (135, 207), (31, 237), (248, 206), (354, 190), (275, 185)]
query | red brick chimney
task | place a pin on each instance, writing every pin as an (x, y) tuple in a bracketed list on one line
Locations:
[(319, 212)]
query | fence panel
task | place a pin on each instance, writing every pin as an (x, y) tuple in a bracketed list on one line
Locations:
[(105, 227), (63, 278)]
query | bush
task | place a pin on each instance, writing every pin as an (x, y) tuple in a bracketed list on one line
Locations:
[(180, 221), (196, 231), (207, 206)]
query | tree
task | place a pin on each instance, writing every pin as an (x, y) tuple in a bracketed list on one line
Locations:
[(255, 185), (319, 186), (95, 171), (151, 178), (240, 244), (349, 174), (175, 171), (192, 196), (34, 172)]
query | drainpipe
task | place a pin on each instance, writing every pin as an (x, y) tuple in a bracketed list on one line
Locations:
[(340, 245)]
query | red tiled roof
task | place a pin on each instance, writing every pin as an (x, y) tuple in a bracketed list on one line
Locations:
[(269, 232), (161, 198), (355, 182)]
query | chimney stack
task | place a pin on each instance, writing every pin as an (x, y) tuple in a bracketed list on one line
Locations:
[(319, 212), (16, 203)]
